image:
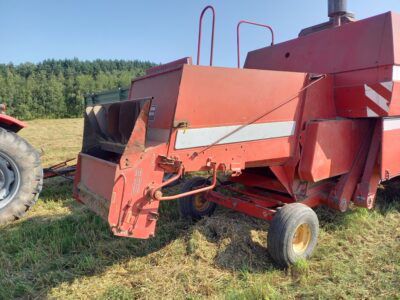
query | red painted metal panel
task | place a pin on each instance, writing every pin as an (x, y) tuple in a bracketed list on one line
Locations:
[(341, 195), (365, 76), (352, 91), (334, 50), (225, 96), (352, 102), (395, 100), (168, 67), (102, 185), (329, 148), (131, 212), (253, 154), (12, 122), (164, 88), (319, 101), (258, 180), (390, 163), (202, 103)]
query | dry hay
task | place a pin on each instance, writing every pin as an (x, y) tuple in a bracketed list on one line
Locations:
[(231, 241)]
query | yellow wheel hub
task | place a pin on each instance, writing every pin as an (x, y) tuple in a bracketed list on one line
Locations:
[(301, 238), (200, 203)]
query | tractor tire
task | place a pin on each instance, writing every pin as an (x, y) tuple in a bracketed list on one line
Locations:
[(293, 234), (21, 176), (195, 206)]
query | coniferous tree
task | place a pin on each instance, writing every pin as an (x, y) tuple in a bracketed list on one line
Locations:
[(56, 88)]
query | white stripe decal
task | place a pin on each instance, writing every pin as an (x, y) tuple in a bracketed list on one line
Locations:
[(376, 98), (396, 73), (388, 85), (371, 113), (391, 124), (199, 137)]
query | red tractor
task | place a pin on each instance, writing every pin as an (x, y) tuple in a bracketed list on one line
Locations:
[(21, 174)]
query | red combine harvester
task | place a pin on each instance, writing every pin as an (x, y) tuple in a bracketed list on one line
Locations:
[(21, 174), (311, 121)]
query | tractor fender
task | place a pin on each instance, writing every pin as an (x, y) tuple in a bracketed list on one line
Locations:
[(10, 123)]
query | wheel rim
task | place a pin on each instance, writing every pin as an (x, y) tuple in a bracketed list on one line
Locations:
[(10, 179), (200, 203), (301, 238)]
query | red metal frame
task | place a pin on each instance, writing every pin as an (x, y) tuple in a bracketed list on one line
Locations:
[(209, 7), (248, 206), (342, 194), (271, 127), (255, 24), (156, 194), (366, 190)]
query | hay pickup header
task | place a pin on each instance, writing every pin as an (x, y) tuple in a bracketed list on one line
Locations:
[(311, 121)]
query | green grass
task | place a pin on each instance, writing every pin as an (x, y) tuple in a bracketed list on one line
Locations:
[(61, 250)]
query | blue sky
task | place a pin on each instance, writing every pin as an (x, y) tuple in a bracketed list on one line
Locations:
[(159, 31)]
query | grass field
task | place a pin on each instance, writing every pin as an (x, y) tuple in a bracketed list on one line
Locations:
[(62, 250)]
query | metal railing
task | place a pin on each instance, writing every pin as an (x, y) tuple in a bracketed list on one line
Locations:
[(209, 7), (255, 24)]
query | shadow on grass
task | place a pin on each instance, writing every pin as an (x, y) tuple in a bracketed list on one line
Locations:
[(59, 249), (56, 189), (388, 200), (232, 241), (237, 237), (40, 253)]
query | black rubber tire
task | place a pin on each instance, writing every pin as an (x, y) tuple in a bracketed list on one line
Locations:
[(283, 228), (28, 162), (186, 205)]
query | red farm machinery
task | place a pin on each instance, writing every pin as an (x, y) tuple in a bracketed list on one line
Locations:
[(308, 122), (21, 174)]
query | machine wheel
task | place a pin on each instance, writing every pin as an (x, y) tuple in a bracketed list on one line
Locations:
[(293, 234), (195, 206), (21, 176)]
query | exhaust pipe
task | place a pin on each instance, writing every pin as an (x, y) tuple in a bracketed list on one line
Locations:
[(336, 10), (338, 15)]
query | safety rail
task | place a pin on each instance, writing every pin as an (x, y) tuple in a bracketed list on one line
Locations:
[(200, 34), (255, 24)]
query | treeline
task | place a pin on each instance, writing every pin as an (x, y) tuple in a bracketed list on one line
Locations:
[(56, 88)]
